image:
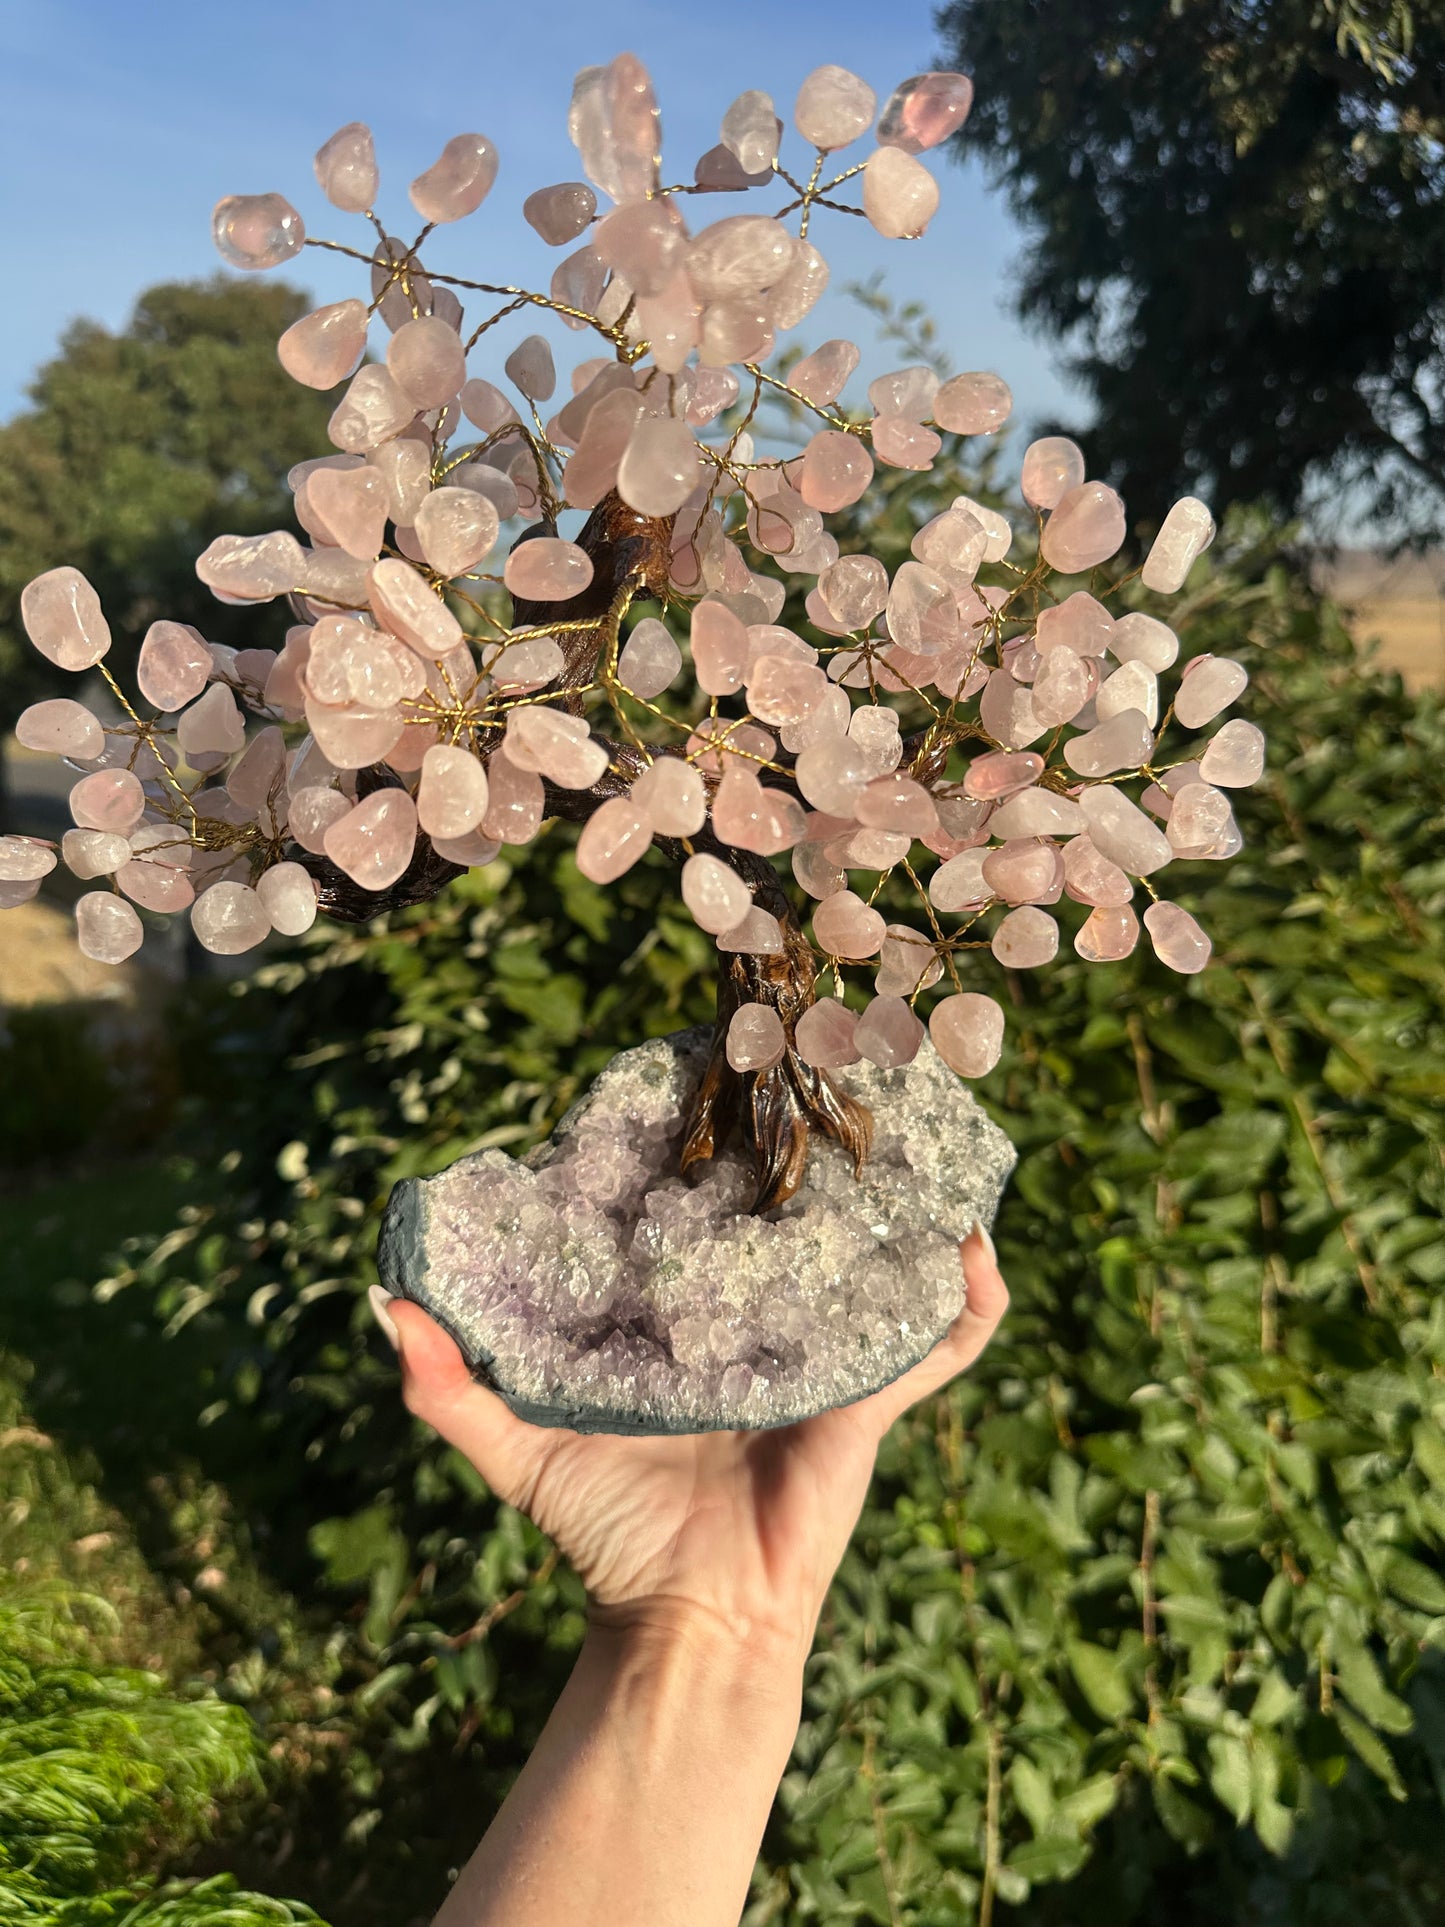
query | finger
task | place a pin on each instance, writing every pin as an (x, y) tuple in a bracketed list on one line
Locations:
[(960, 1345), (439, 1388)]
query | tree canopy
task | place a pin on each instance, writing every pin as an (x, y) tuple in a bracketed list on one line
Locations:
[(1236, 215), (139, 448)]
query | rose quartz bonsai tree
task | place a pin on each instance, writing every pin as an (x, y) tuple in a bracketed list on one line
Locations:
[(988, 725)]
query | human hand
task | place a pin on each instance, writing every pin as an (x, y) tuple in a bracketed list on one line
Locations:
[(739, 1532)]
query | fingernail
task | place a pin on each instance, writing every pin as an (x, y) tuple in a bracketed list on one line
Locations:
[(379, 1300), (981, 1232)]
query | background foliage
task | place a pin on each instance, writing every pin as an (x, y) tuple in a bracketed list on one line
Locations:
[(1236, 219), (141, 447)]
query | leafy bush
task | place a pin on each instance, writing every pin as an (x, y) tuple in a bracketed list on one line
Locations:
[(1151, 1603), (54, 1081), (98, 1765)]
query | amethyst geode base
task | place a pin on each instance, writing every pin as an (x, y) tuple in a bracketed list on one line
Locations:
[(593, 1287)]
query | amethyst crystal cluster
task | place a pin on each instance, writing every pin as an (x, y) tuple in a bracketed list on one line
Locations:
[(595, 1288)]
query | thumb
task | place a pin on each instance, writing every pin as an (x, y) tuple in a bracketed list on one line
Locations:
[(439, 1388)]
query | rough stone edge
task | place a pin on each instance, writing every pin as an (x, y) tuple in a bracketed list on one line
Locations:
[(402, 1236)]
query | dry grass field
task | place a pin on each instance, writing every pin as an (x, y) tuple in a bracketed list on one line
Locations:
[(1398, 604)]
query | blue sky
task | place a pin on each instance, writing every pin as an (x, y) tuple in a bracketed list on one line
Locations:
[(122, 124)]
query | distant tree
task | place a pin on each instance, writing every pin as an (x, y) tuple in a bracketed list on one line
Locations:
[(1237, 216), (139, 448)]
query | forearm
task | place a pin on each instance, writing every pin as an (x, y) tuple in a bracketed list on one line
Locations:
[(644, 1802)]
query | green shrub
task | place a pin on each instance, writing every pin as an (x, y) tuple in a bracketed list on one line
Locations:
[(103, 1772), (55, 1083)]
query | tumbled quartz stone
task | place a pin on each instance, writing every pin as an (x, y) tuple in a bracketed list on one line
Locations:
[(229, 919), (900, 196), (650, 659), (845, 926), (855, 589), (546, 569), (62, 617), (973, 404), (326, 346), (820, 376), (94, 853), (60, 727), (595, 1288), (750, 131), (1209, 684), (1132, 686), (1178, 940), (614, 123), (758, 935), (836, 471), (1052, 466), (458, 182), (888, 1033), (252, 568), (1107, 934), (346, 168), (452, 797), (109, 799), (670, 794), (1091, 878), (801, 288), (755, 1037), (255, 231), (967, 1031), (714, 893), (1086, 528), (643, 242), (1144, 639), (823, 1036), (372, 410), (559, 214), (720, 171), (426, 361), (924, 110), (612, 839), (833, 107), (659, 468), (287, 894), (1026, 938), (1125, 741), (24, 859), (1234, 758), (456, 528), (1186, 532), (107, 929)]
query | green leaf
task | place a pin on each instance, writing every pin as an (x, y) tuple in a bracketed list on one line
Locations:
[(1415, 1583), (1033, 1793), (1360, 1681), (1101, 1678), (1088, 1803), (1230, 1776), (1184, 1819), (1371, 1749), (1049, 1859), (353, 1549), (1428, 1440)]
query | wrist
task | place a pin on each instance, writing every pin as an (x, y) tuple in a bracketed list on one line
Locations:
[(669, 1638), (704, 1634)]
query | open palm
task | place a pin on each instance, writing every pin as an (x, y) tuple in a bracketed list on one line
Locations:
[(743, 1527)]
